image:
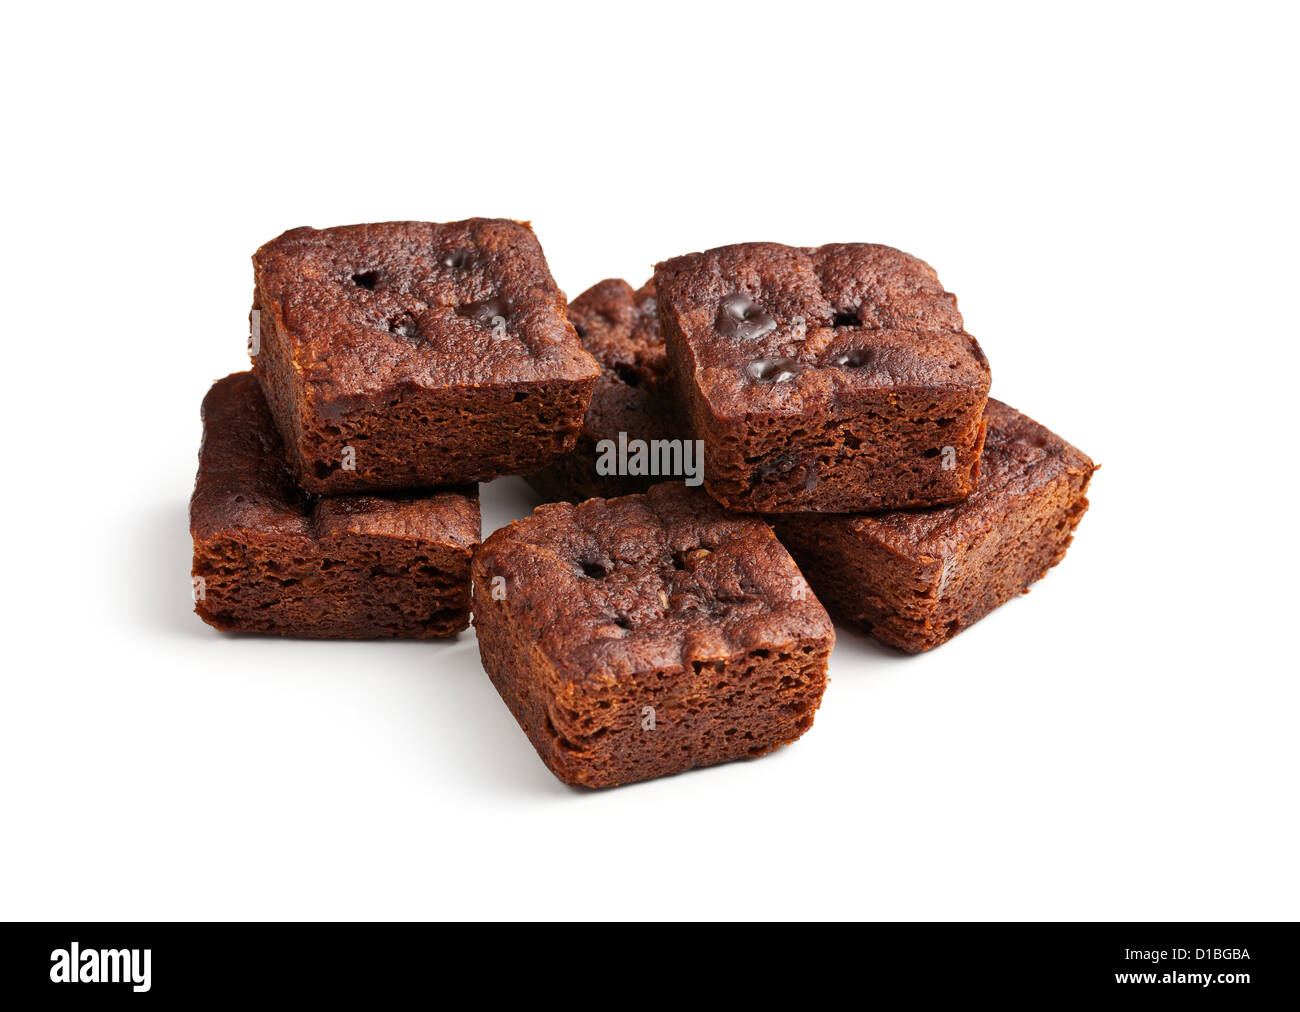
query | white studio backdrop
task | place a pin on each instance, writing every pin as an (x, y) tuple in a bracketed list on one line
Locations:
[(1110, 192)]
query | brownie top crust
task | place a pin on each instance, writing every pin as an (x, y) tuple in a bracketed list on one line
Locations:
[(783, 327), (244, 487), (619, 325), (408, 304), (615, 587), (1020, 458)]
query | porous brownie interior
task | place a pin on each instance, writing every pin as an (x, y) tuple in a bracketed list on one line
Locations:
[(824, 379), (915, 578), (588, 615), (458, 437), (883, 453), (358, 588), (275, 559)]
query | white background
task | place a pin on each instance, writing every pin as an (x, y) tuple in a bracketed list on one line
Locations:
[(1110, 190)]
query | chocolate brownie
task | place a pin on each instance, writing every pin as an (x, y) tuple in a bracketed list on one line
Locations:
[(632, 399), (411, 353), (916, 578), (645, 635), (835, 379), (269, 558)]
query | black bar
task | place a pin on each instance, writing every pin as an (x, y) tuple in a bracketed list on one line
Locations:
[(1241, 962)]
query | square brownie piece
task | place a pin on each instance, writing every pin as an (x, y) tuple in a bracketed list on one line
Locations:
[(645, 635), (916, 578), (632, 401), (835, 379), (409, 353), (270, 558)]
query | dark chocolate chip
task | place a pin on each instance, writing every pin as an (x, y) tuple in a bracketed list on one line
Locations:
[(774, 370), (690, 560), (457, 259), (366, 280), (855, 358), (485, 311), (846, 318), (593, 569), (782, 463), (785, 465), (740, 316), (404, 325)]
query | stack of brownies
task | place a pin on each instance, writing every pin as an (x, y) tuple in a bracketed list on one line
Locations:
[(829, 401)]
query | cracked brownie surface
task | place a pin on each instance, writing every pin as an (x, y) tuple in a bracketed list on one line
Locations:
[(619, 326), (271, 558), (588, 614), (439, 353), (829, 379), (915, 578)]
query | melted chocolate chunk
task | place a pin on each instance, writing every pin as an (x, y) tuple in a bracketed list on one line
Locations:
[(457, 259), (404, 325), (855, 358), (782, 463), (774, 370), (366, 280), (740, 316), (790, 463), (485, 311)]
